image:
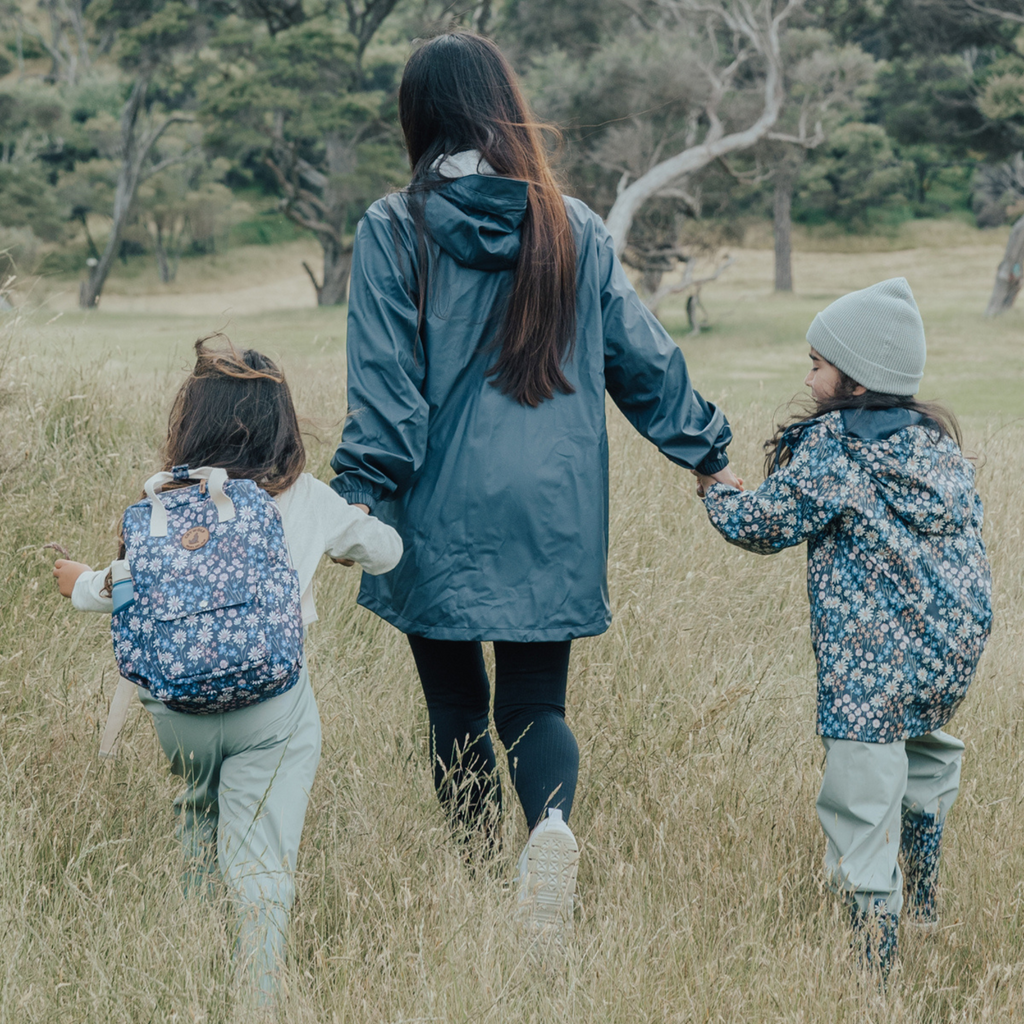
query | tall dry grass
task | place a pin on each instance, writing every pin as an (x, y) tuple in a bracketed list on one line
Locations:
[(701, 896)]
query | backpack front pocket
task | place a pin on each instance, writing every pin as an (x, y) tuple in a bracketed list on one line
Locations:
[(206, 626), (175, 597)]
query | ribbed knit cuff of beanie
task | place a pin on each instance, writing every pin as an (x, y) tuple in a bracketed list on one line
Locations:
[(875, 336)]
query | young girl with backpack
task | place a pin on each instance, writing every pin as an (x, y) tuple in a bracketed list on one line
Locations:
[(247, 772), (874, 481)]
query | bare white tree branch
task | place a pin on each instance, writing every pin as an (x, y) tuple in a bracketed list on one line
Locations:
[(758, 26), (995, 12), (686, 282)]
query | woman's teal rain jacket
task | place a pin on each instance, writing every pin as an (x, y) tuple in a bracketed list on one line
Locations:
[(502, 508)]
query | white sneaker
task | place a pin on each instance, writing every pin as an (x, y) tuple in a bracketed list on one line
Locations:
[(547, 876)]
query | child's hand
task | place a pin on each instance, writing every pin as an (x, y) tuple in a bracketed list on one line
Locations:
[(66, 573), (725, 476)]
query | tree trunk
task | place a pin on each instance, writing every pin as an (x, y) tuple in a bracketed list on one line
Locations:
[(162, 264), (481, 17), (93, 251), (124, 195), (337, 269), (341, 162), (1009, 274), (134, 151), (783, 230), (693, 311), (650, 281)]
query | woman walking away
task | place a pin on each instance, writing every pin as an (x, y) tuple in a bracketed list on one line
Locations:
[(194, 569), (488, 315), (899, 586)]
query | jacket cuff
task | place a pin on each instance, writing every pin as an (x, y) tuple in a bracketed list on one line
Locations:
[(714, 462), (353, 497)]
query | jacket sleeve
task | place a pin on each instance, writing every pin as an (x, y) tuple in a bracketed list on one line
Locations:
[(385, 436), (796, 502), (646, 375), (86, 596)]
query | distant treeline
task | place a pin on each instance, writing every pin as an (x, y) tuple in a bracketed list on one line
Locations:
[(164, 129)]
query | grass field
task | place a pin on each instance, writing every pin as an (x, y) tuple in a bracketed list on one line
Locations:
[(701, 896)]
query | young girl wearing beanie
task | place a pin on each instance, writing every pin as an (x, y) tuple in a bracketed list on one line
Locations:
[(874, 481)]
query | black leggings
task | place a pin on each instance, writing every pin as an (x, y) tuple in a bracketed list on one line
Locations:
[(529, 712)]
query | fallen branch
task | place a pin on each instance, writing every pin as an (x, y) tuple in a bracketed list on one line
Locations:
[(312, 276), (686, 282)]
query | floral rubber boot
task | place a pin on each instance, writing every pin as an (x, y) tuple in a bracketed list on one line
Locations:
[(876, 937), (920, 841)]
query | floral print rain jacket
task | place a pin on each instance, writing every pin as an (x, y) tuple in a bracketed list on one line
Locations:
[(897, 574)]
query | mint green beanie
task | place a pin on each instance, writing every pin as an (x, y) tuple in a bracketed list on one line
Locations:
[(875, 336)]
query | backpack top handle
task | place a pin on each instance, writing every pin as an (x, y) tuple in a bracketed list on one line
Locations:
[(216, 477)]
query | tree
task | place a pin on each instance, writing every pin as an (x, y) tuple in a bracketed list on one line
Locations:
[(944, 60), (1003, 99), (32, 119), (150, 37), (311, 105), (742, 38), (182, 204), (999, 191), (855, 176), (529, 28), (822, 86), (652, 106), (984, 36), (1008, 10), (64, 37), (1010, 273)]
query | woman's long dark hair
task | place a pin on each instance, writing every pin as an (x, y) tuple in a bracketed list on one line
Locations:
[(458, 93), (235, 411), (778, 449)]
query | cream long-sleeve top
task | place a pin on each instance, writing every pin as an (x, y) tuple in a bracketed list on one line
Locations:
[(317, 521)]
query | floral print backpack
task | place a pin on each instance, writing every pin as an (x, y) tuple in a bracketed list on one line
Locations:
[(213, 622)]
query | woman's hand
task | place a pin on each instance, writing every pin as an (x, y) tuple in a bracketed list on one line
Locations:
[(349, 561), (725, 476), (66, 574)]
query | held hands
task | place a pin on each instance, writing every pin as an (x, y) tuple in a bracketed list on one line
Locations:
[(351, 561), (725, 476), (66, 574)]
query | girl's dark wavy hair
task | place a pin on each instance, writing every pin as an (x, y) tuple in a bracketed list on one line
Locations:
[(778, 449), (235, 411), (458, 93)]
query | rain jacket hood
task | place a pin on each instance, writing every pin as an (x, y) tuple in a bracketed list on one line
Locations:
[(930, 487), (476, 220)]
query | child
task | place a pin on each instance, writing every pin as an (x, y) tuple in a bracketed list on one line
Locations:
[(248, 772), (899, 586)]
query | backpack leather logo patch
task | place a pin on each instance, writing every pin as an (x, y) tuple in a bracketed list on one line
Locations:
[(194, 539)]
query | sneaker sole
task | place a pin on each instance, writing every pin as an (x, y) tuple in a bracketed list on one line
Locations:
[(552, 862)]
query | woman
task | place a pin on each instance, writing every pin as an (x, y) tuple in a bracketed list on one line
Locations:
[(488, 315)]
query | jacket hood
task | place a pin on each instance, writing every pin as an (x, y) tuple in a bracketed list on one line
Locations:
[(928, 484), (476, 220)]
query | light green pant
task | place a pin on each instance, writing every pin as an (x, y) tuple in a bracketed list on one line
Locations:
[(247, 776), (868, 791)]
